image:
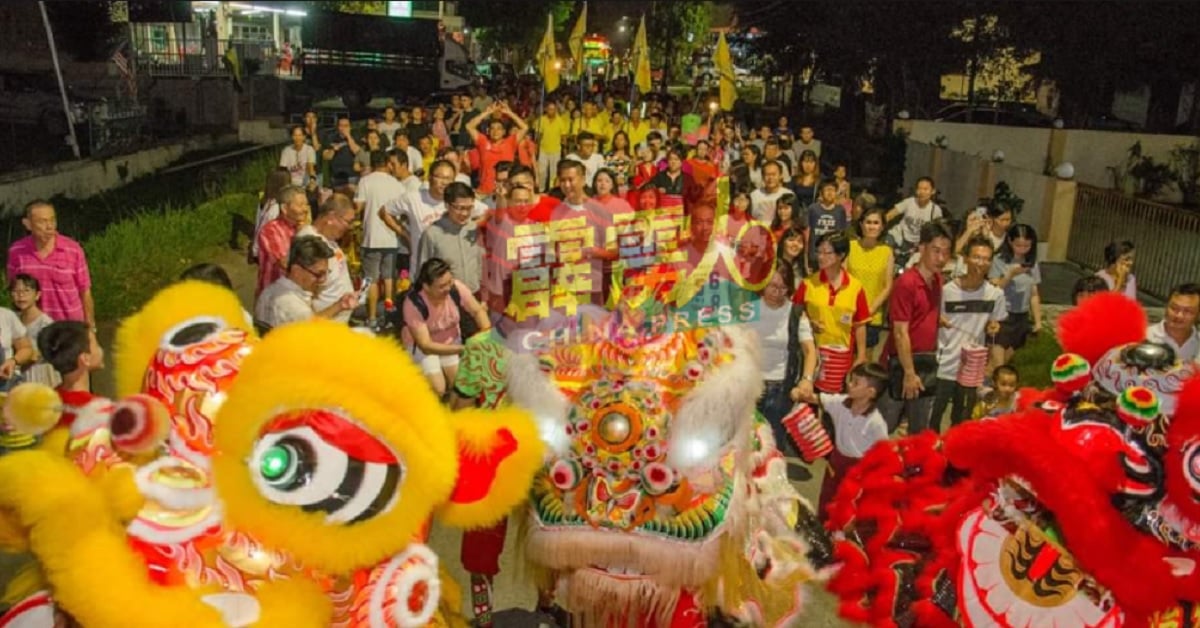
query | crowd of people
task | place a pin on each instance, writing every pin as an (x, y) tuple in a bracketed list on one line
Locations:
[(485, 213)]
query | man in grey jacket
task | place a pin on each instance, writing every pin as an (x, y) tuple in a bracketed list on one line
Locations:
[(455, 237)]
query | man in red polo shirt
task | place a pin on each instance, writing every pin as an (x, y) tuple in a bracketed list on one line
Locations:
[(914, 310), (495, 147)]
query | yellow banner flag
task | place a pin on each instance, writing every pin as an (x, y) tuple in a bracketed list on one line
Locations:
[(547, 57), (575, 42), (641, 59), (724, 62)]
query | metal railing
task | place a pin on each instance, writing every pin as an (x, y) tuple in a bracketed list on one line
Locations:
[(1167, 238), (194, 57), (114, 127)]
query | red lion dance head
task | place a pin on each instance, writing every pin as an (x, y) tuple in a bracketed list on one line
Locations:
[(1082, 508)]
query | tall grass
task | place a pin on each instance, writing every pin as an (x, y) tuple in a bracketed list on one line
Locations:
[(133, 259), (148, 247), (83, 218)]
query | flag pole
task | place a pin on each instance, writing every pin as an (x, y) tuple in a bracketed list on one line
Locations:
[(61, 87)]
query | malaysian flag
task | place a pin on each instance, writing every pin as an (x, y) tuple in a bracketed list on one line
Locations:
[(125, 65)]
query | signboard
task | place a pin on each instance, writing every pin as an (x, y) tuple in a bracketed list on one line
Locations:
[(399, 9)]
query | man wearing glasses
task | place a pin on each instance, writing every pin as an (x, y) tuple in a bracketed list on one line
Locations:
[(455, 238), (331, 221), (290, 298)]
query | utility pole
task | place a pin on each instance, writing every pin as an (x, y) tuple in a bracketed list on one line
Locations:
[(62, 88)]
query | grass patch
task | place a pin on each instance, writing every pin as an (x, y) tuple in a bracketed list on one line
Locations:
[(137, 255), (133, 259), (1034, 359), (84, 218)]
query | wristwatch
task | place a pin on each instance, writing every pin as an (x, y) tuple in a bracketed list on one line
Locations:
[(808, 378)]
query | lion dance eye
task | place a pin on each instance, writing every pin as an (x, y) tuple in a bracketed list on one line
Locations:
[(321, 462), (565, 474), (657, 478), (1191, 466)]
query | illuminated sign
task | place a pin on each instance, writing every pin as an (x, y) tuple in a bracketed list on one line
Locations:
[(400, 9)]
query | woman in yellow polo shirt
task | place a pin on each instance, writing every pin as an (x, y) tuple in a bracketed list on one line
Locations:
[(871, 262), (835, 302)]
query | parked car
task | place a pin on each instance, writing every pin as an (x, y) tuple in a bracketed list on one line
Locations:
[(33, 99), (1005, 115)]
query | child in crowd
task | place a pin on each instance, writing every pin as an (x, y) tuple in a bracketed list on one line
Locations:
[(785, 206), (26, 293), (857, 424), (1001, 399), (71, 348)]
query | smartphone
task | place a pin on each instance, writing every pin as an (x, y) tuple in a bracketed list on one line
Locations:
[(981, 211)]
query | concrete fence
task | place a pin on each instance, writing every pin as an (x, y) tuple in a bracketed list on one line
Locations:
[(1040, 150)]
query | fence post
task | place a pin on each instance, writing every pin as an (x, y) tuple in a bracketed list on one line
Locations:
[(1060, 213), (1056, 150), (987, 178)]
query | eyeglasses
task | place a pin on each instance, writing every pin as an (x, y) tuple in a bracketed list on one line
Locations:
[(320, 275), (463, 208)]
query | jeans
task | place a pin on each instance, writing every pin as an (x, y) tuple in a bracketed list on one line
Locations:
[(774, 404), (917, 410), (960, 399)]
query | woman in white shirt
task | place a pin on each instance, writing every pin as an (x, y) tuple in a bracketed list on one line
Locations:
[(789, 356), (299, 158)]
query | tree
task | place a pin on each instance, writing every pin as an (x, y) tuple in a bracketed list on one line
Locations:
[(504, 31), (675, 30), (368, 7)]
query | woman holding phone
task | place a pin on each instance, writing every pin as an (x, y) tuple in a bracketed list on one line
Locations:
[(1015, 270)]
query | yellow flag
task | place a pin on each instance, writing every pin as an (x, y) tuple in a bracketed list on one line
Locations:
[(724, 62), (575, 43), (641, 59), (547, 57)]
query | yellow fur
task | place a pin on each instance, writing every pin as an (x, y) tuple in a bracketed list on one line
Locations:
[(138, 336), (55, 441), (477, 431), (32, 408), (322, 364), (83, 551), (294, 604)]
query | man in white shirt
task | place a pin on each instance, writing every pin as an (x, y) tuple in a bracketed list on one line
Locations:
[(402, 170), (331, 221), (290, 298), (299, 158), (764, 200), (418, 211), (972, 308), (1177, 329), (376, 198), (806, 141), (586, 154), (403, 145)]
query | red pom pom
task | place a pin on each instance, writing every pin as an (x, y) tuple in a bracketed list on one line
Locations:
[(1099, 323)]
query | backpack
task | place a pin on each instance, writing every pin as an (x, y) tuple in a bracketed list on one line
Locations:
[(466, 322)]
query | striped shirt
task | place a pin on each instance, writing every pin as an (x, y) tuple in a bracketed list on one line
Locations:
[(274, 242), (63, 275)]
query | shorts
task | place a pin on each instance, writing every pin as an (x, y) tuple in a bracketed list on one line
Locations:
[(1014, 330), (873, 334), (433, 364), (378, 264)]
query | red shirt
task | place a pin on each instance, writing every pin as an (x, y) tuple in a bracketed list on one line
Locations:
[(490, 154), (274, 241), (72, 399), (63, 275), (544, 208), (918, 303)]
